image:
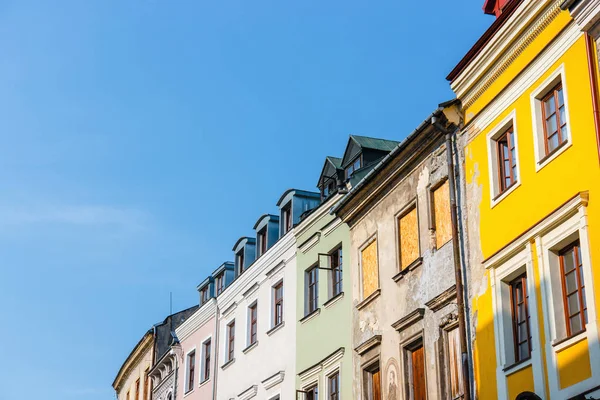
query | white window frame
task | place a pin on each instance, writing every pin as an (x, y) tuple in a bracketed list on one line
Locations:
[(253, 303), (226, 358), (337, 369), (492, 153), (203, 367), (187, 369), (272, 302), (537, 117), (504, 267), (573, 223)]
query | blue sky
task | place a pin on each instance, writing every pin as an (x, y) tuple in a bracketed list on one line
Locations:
[(142, 138)]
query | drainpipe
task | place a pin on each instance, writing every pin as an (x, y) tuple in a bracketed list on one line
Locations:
[(589, 47), (456, 258), (216, 357)]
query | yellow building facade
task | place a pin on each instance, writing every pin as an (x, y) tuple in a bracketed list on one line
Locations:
[(532, 202)]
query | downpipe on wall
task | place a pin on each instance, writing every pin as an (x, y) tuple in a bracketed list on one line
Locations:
[(458, 275)]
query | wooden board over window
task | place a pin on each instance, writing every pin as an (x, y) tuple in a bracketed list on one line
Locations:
[(408, 228), (441, 212), (370, 270)]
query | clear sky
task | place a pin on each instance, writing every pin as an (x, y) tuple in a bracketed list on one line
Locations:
[(141, 138)]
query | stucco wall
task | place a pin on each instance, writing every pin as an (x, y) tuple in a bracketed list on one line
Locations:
[(143, 364)]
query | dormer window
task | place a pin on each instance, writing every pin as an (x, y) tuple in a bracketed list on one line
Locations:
[(356, 164), (329, 189), (262, 241), (239, 261), (286, 213), (220, 283), (204, 294)]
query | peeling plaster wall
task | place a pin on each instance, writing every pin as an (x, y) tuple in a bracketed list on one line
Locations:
[(398, 299)]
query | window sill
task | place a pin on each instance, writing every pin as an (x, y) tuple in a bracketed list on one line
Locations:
[(519, 365), (569, 341), (249, 348), (310, 316), (410, 267), (228, 363), (551, 156), (333, 300), (204, 382), (369, 299), (275, 328), (501, 196), (188, 392)]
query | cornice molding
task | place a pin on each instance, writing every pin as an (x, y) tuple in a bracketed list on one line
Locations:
[(408, 320), (368, 344), (442, 299), (273, 380), (134, 358), (197, 319), (248, 393)]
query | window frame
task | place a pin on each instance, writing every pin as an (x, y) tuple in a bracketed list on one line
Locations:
[(336, 286), (252, 324), (412, 205), (137, 389), (542, 158), (240, 260), (351, 168), (204, 294), (508, 137), (287, 217), (220, 283), (262, 241), (408, 350), (365, 245), (520, 280), (553, 94), (433, 222), (582, 303), (206, 357), (314, 388), (230, 353), (368, 375), (447, 329), (190, 369), (333, 377), (277, 301), (311, 272)]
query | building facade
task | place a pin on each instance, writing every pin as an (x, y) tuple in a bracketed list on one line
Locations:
[(323, 302), (257, 312), (133, 379), (405, 326), (528, 90)]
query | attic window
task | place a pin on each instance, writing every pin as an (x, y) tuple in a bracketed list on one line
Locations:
[(356, 164), (286, 212), (239, 257), (329, 188), (204, 295), (262, 241)]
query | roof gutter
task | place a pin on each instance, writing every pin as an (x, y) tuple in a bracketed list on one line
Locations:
[(385, 161), (566, 4)]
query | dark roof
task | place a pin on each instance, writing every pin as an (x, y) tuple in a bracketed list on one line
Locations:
[(484, 39), (373, 143), (335, 161), (226, 265), (262, 217), (298, 192), (164, 330), (247, 238)]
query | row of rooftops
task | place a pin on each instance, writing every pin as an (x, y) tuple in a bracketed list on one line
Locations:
[(338, 174)]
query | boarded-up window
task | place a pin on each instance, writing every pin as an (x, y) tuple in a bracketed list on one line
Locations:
[(370, 270), (441, 213), (454, 364), (408, 228)]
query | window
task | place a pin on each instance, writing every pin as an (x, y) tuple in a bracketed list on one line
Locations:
[(204, 294), (329, 188), (408, 228), (146, 383), (240, 261), (520, 318), (441, 214), (220, 283), (370, 269), (372, 383), (334, 386), (356, 164), (335, 261), (312, 290), (454, 363), (127, 396), (262, 241), (312, 393), (554, 119), (137, 389), (573, 286), (287, 218), (206, 361), (278, 304), (230, 340), (506, 160), (191, 370), (252, 323), (416, 371)]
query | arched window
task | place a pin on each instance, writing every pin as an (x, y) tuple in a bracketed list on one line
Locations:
[(170, 396)]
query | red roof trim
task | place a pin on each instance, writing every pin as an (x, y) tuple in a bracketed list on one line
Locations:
[(484, 39), (489, 6)]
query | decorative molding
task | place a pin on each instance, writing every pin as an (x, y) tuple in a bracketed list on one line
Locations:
[(275, 328), (251, 347), (411, 267), (325, 363), (369, 299), (226, 312), (134, 358), (273, 380), (408, 320), (511, 54), (248, 393), (251, 290), (449, 320), (368, 344), (310, 316), (197, 319), (310, 242), (275, 269), (331, 226), (442, 299), (333, 300)]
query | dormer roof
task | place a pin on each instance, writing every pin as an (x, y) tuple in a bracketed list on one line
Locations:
[(242, 242), (357, 143), (330, 167), (209, 279), (227, 265), (263, 220), (495, 7), (288, 194)]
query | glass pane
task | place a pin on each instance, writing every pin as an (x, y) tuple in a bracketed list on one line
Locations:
[(575, 323), (581, 281), (550, 105), (563, 118), (551, 125), (568, 261), (585, 316), (552, 143), (561, 100), (515, 172), (573, 301), (523, 351), (522, 332), (571, 282), (564, 131)]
